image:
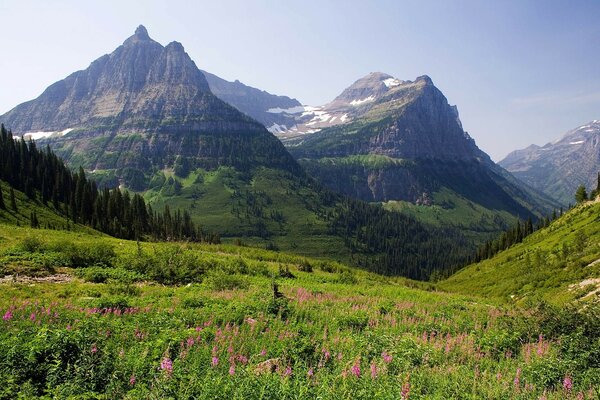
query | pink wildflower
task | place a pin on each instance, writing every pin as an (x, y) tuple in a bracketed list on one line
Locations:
[(373, 370), (94, 349), (132, 380), (232, 370), (405, 388), (568, 383), (8, 316), (355, 369), (214, 362), (32, 317), (288, 371), (166, 365), (310, 373), (263, 352), (387, 358), (517, 381)]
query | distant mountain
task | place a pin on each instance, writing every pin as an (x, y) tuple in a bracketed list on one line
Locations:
[(388, 140), (253, 102), (558, 168), (144, 117)]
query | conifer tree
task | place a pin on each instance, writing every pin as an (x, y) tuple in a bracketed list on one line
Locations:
[(13, 201), (2, 205), (581, 194)]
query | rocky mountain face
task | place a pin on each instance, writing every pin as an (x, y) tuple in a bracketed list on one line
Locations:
[(142, 108), (558, 168), (401, 140), (254, 102)]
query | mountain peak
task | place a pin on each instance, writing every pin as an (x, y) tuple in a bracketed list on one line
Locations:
[(140, 35), (141, 32), (175, 46), (424, 78)]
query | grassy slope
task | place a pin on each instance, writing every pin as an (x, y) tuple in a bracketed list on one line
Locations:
[(46, 214), (450, 209), (545, 265), (212, 200), (337, 324)]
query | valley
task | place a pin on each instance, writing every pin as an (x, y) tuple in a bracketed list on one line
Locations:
[(166, 233)]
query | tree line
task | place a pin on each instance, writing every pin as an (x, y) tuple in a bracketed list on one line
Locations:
[(44, 177)]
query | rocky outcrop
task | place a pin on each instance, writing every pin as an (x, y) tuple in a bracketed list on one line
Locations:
[(558, 168)]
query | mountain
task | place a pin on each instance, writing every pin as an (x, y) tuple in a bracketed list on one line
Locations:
[(253, 102), (141, 109), (144, 118), (558, 168), (558, 263), (401, 143)]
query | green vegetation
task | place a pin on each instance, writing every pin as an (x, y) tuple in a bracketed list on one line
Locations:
[(42, 176), (557, 263), (158, 320)]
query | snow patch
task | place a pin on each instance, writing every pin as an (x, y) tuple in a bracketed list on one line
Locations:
[(42, 135), (359, 102), (344, 117), (391, 82), (292, 110), (276, 128), (577, 142)]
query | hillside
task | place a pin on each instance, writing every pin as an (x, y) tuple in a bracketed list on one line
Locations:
[(558, 168), (112, 318), (557, 264)]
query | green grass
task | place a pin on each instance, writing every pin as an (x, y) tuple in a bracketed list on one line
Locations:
[(221, 201), (172, 320), (449, 209), (544, 266)]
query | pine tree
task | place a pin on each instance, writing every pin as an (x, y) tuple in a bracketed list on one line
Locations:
[(581, 194), (2, 205), (13, 201)]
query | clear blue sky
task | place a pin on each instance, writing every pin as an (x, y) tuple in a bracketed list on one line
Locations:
[(520, 71)]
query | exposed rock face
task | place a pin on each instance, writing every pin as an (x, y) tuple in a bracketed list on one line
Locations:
[(558, 168), (254, 102), (403, 141), (142, 107)]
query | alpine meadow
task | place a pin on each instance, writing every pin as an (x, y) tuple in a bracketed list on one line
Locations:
[(168, 233)]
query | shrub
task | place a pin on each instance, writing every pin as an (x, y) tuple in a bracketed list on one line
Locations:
[(219, 280), (347, 277), (305, 266), (32, 244)]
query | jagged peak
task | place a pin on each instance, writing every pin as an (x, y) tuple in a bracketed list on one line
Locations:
[(140, 35), (424, 78), (175, 46)]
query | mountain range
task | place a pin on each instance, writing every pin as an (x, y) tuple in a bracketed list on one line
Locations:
[(144, 117), (559, 167)]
